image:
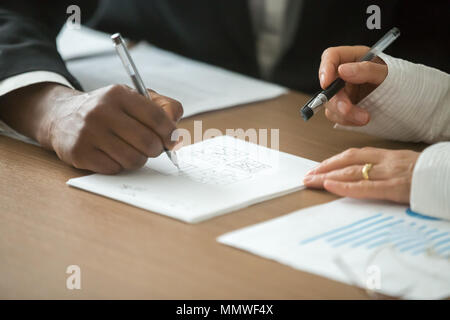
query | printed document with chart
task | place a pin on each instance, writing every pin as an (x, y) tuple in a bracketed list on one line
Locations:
[(375, 245), (216, 176)]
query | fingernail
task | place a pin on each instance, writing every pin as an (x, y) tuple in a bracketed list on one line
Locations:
[(348, 69), (361, 117), (308, 179), (322, 78), (342, 107)]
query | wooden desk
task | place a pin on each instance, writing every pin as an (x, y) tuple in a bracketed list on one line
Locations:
[(125, 252)]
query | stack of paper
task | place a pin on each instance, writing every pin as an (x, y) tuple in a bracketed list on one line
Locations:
[(217, 176), (378, 246)]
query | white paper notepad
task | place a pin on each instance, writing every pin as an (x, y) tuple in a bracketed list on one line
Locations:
[(217, 176)]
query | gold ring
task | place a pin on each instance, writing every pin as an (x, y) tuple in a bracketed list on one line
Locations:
[(365, 170)]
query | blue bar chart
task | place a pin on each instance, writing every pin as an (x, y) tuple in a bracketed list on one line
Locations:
[(405, 235)]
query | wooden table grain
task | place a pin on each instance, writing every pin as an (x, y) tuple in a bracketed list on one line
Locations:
[(126, 252)]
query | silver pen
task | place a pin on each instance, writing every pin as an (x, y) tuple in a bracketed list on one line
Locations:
[(320, 98), (132, 71)]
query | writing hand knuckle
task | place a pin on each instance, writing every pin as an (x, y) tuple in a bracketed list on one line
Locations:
[(168, 129), (143, 139), (113, 168), (158, 118), (76, 154), (155, 150), (178, 109), (131, 160), (116, 89), (151, 145), (139, 161)]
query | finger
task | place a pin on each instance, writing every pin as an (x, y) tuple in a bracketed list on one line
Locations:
[(337, 102), (393, 189), (349, 111), (97, 161), (363, 72), (137, 135), (172, 107), (353, 92), (127, 156), (333, 57), (337, 118), (327, 74), (343, 111), (348, 174), (360, 189), (350, 157), (150, 114)]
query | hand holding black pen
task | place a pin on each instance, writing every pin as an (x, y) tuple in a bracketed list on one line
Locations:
[(319, 99)]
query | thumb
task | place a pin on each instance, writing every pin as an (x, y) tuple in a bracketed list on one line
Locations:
[(363, 72)]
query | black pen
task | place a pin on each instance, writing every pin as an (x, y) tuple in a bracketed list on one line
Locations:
[(320, 98)]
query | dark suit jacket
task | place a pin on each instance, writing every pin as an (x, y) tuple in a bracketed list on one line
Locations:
[(220, 32)]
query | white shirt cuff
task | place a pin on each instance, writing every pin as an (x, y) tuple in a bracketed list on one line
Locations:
[(29, 78), (430, 188)]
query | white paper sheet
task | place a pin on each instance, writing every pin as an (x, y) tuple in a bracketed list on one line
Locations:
[(375, 245), (198, 86), (76, 43), (217, 176)]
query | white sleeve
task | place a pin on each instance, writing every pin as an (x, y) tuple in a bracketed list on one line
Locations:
[(412, 104), (29, 78), (430, 189), (23, 80)]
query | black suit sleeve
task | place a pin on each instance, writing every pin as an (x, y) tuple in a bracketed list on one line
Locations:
[(28, 31)]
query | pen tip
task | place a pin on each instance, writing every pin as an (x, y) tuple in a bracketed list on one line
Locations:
[(396, 31), (306, 113)]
